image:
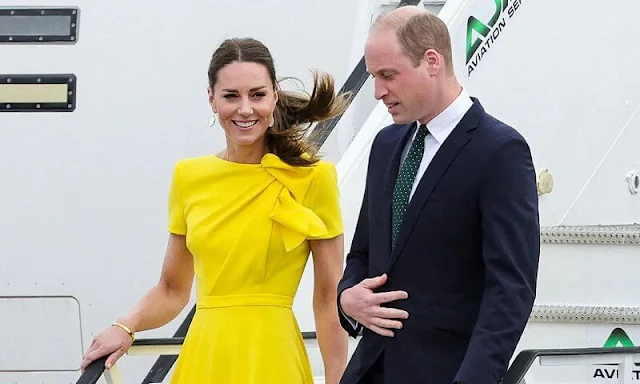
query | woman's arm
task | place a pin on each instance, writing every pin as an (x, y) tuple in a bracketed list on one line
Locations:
[(158, 307), (328, 257)]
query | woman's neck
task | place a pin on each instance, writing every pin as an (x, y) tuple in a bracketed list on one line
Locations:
[(244, 154)]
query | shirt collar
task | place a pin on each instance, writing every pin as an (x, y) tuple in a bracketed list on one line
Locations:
[(443, 124)]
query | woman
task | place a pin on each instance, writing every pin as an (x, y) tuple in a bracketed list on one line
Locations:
[(244, 221)]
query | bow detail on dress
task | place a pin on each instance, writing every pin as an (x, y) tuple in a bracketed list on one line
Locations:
[(296, 221)]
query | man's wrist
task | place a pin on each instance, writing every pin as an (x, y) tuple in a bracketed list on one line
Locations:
[(350, 320)]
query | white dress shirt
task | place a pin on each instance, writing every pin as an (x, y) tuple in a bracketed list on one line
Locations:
[(440, 127)]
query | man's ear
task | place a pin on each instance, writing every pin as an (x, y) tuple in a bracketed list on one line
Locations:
[(434, 61)]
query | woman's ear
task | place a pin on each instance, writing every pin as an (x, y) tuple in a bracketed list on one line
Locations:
[(212, 100)]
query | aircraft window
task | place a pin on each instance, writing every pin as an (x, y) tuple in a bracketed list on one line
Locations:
[(38, 25), (34, 93)]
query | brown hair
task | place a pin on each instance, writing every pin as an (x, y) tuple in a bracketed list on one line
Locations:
[(295, 111), (418, 33)]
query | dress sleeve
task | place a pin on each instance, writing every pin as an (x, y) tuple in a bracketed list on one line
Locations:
[(177, 224), (323, 198)]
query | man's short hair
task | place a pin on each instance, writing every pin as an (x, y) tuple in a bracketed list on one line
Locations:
[(419, 33)]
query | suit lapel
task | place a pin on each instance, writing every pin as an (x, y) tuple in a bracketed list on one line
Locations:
[(448, 151), (391, 173)]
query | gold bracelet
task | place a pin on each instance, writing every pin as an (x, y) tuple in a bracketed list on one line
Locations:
[(126, 329)]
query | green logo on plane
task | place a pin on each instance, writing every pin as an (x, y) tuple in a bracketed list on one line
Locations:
[(474, 24), (618, 338)]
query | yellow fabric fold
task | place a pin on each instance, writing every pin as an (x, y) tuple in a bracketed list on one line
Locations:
[(297, 221)]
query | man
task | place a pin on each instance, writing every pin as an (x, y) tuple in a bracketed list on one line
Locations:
[(442, 269)]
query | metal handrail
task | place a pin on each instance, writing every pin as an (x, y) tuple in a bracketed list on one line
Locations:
[(515, 374), (96, 369)]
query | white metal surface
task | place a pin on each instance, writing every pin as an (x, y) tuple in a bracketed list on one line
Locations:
[(154, 350), (48, 321), (625, 363), (113, 375)]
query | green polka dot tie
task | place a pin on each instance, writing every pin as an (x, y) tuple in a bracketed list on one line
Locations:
[(404, 182)]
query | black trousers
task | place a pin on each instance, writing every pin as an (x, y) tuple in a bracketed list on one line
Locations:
[(375, 374)]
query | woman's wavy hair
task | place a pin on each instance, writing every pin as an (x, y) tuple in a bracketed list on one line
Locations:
[(295, 111)]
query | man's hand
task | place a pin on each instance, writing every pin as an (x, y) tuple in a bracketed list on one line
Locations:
[(363, 305)]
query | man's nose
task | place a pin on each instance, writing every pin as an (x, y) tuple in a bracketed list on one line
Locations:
[(380, 90)]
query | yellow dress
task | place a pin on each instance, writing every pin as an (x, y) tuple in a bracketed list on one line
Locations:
[(248, 226)]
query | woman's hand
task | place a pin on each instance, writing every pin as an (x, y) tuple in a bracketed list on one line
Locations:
[(113, 341)]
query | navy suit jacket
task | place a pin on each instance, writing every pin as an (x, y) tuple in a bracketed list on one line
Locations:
[(467, 254)]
